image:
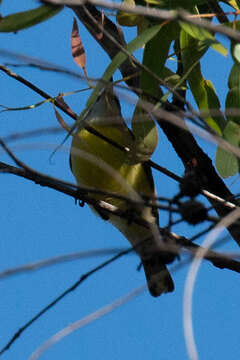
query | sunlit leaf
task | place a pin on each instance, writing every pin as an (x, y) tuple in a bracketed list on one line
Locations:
[(236, 52), (217, 46), (196, 32), (25, 19), (204, 36)]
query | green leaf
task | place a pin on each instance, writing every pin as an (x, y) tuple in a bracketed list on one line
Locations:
[(155, 55), (25, 19), (204, 36), (146, 136), (234, 77), (233, 95), (217, 46), (233, 103), (196, 32), (226, 162), (214, 104), (236, 52), (202, 90)]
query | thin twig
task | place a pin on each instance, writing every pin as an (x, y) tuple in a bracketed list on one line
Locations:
[(57, 260), (57, 103), (60, 297)]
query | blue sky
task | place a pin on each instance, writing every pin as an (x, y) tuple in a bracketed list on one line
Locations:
[(39, 223)]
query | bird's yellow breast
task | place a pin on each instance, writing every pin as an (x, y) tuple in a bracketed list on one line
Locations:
[(98, 164)]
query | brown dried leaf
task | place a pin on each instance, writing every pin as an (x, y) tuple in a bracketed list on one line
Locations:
[(67, 107), (63, 124), (78, 51)]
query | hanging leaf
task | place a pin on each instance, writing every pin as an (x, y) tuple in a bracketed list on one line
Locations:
[(234, 77), (233, 96), (202, 90), (61, 121), (78, 51), (155, 55), (146, 136), (214, 104), (233, 103), (227, 163), (25, 19)]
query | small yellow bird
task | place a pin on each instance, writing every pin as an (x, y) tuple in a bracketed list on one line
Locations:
[(98, 164)]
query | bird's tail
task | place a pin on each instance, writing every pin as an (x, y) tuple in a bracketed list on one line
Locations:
[(152, 258), (158, 277)]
